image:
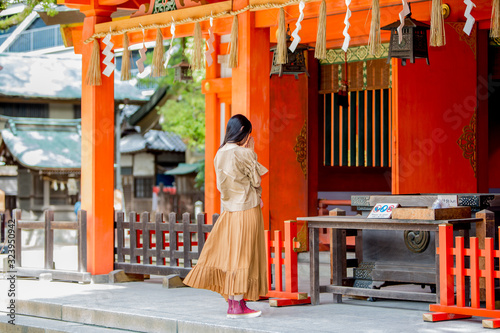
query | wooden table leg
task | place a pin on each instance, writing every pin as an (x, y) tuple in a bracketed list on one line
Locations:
[(338, 261), (484, 229), (314, 264)]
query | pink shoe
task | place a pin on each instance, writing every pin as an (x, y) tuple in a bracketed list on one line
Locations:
[(240, 310), (230, 303)]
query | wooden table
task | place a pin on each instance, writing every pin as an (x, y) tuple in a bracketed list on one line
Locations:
[(339, 223)]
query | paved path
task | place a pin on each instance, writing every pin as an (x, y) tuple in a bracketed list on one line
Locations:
[(148, 307)]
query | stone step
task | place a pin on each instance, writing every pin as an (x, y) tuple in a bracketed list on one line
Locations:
[(32, 317), (29, 324)]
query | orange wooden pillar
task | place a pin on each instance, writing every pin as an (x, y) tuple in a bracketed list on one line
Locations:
[(250, 89), (212, 136), (97, 156)]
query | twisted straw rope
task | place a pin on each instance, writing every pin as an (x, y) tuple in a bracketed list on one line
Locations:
[(191, 20)]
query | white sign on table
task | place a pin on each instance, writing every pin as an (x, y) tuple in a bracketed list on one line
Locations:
[(383, 211), (450, 200)]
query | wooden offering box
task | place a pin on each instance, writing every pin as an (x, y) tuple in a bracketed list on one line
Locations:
[(403, 257)]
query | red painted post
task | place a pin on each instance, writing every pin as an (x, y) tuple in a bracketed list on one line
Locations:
[(460, 271), (291, 277), (474, 272), (489, 267), (446, 264), (268, 259), (278, 262)]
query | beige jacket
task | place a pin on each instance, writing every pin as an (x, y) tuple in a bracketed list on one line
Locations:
[(238, 177)]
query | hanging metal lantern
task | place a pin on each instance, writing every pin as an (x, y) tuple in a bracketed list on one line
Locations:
[(183, 72), (296, 63), (414, 43)]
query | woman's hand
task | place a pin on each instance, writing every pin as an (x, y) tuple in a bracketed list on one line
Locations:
[(261, 203), (250, 143)]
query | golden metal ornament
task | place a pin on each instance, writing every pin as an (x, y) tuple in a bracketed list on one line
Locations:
[(445, 10)]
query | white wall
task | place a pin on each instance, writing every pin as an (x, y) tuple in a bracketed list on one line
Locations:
[(144, 164), (61, 111), (126, 160)]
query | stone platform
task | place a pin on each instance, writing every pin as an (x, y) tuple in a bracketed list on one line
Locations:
[(148, 307)]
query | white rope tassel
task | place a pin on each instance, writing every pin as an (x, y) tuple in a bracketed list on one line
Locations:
[(495, 20), (402, 15), (469, 24), (295, 33)]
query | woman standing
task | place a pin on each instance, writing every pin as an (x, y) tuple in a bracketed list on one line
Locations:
[(233, 260)]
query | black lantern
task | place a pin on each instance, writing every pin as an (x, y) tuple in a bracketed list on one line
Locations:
[(183, 72), (296, 63), (414, 42)]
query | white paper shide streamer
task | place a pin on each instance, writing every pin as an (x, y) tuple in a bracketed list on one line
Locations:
[(295, 33), (170, 49), (140, 62), (347, 38), (142, 52), (469, 24), (210, 43), (108, 52), (402, 15)]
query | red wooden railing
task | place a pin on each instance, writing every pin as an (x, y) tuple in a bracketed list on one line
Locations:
[(284, 292), (288, 295), (454, 273)]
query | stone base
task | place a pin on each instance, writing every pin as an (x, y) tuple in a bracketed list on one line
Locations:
[(173, 281), (119, 276)]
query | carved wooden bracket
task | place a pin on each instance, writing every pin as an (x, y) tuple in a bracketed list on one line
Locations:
[(301, 149), (467, 142)]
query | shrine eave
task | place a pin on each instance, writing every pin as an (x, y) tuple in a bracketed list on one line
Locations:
[(266, 14)]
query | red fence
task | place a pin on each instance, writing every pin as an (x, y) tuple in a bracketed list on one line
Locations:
[(457, 266), (143, 256), (279, 246), (143, 248)]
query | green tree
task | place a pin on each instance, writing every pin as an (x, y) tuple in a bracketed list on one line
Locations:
[(9, 21), (185, 115), (184, 111)]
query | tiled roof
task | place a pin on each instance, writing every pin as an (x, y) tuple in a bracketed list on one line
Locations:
[(152, 140), (53, 77), (44, 143), (183, 169)]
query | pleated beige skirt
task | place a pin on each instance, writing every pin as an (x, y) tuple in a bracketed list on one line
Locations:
[(233, 260)]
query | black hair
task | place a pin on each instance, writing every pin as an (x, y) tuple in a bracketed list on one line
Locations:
[(238, 128)]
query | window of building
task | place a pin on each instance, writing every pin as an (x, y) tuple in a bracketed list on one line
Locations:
[(58, 190), (77, 111), (126, 171), (24, 110), (143, 187), (37, 37)]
